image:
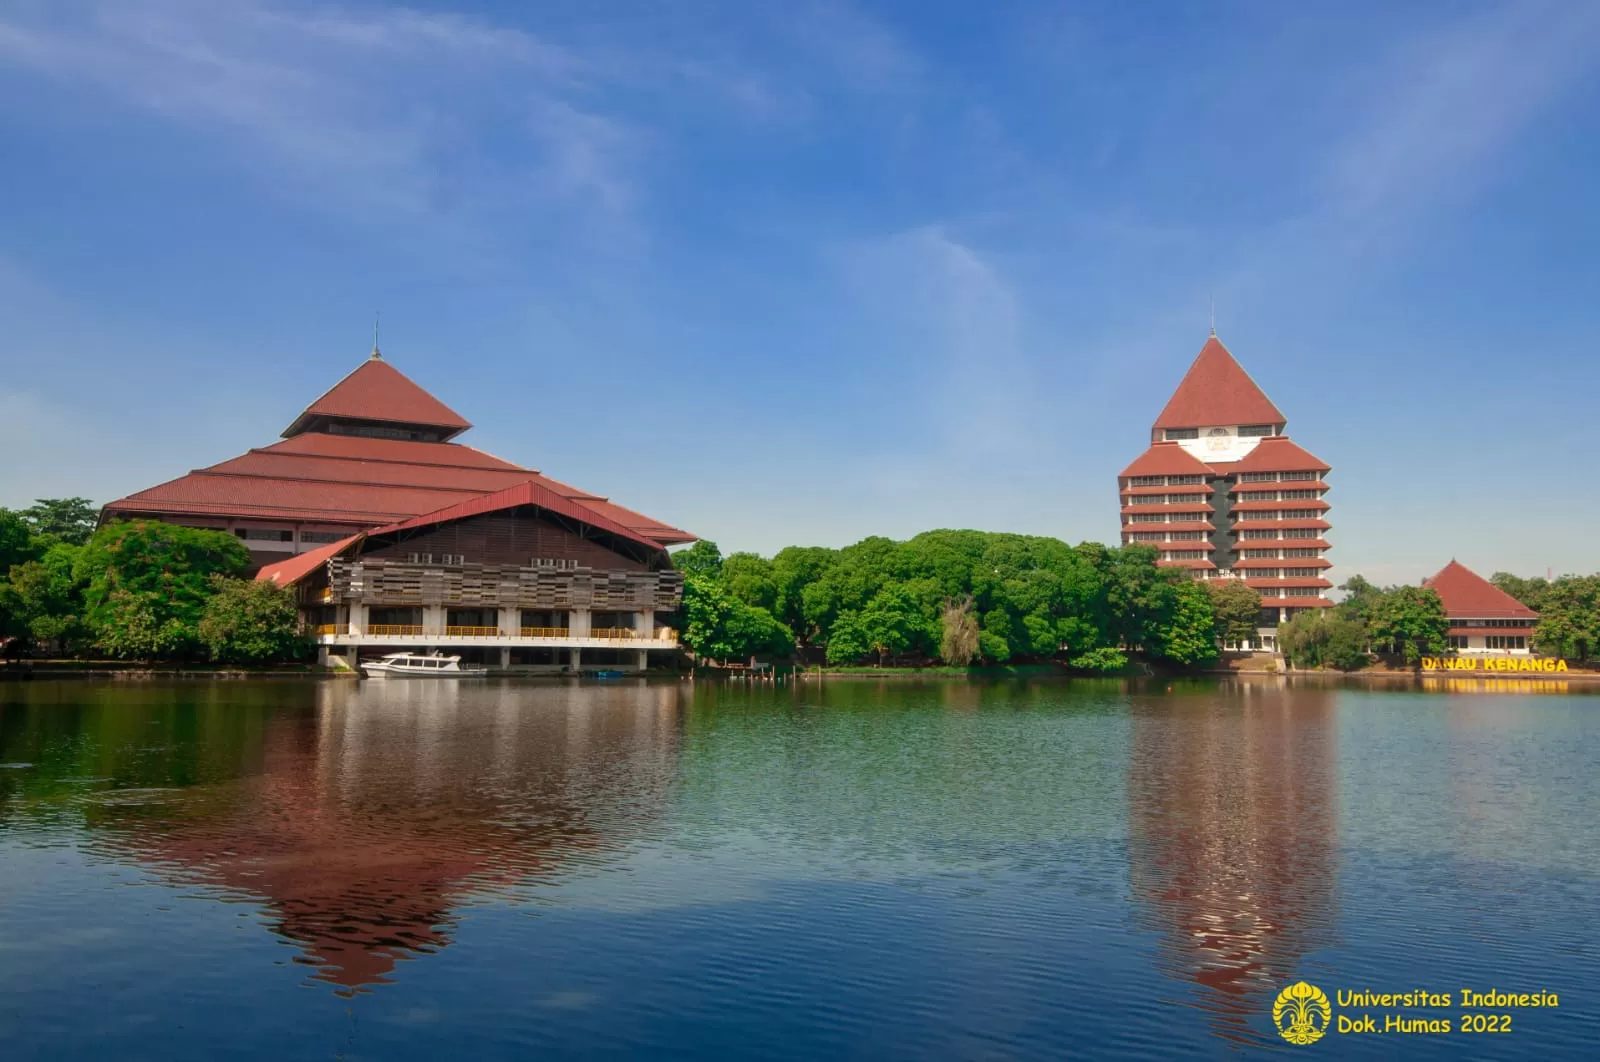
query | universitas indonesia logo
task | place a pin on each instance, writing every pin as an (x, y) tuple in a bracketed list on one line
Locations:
[(1301, 1012)]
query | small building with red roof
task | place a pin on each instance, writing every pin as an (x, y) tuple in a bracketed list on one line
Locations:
[(1224, 492), (394, 537), (1484, 619)]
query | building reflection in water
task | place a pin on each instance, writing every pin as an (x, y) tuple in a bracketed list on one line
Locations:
[(1233, 838), (373, 820)]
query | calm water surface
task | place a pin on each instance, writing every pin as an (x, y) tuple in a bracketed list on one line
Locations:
[(411, 869)]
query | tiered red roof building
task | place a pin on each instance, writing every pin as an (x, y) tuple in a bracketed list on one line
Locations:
[(1484, 619), (374, 450), (1224, 492)]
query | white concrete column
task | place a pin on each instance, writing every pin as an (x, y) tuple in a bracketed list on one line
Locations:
[(645, 622), (511, 621), (579, 620), (358, 618), (643, 659), (505, 658), (574, 658), (433, 619)]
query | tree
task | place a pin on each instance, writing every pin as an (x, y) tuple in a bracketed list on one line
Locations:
[(1530, 592), (69, 520), (146, 584), (718, 626), (958, 632), (1237, 609), (1103, 660), (45, 597), (1569, 618), (1316, 639), (1186, 635), (1410, 622), (17, 542), (252, 622), (702, 558), (890, 622), (749, 578)]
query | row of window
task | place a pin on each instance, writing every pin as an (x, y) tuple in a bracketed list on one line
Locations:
[(1247, 431), (1274, 533), (1182, 517), (1170, 536), (1280, 514), (1277, 477), (1507, 641), (1184, 554), (1165, 481), (1488, 623), (1283, 573), (1276, 496), (1167, 499), (263, 534), (1275, 554)]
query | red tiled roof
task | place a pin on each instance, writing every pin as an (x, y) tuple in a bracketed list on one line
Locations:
[(1187, 488), (1295, 484), (1285, 562), (376, 390), (1193, 564), (1174, 508), (291, 571), (359, 482), (531, 492), (1277, 453), (1145, 529), (1217, 391), (1468, 595), (1166, 459)]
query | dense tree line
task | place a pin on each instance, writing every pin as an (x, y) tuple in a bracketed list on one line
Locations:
[(958, 597), (138, 590), (1569, 612), (1401, 623)]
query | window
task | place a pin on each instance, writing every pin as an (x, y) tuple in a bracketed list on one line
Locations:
[(1298, 477), (1288, 494), (261, 534), (324, 536), (1261, 554), (420, 558), (1302, 514), (563, 563), (1258, 477), (1302, 552), (1258, 517), (1185, 481), (1300, 573), (1186, 499), (1137, 518), (1507, 641), (1253, 534), (1185, 554), (1188, 536), (1301, 532), (1456, 641), (1148, 537), (452, 558), (1148, 499), (1302, 591), (1254, 431), (1148, 481), (1258, 495), (1179, 434)]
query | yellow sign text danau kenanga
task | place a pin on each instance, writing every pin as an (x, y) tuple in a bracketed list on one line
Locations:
[(1493, 663)]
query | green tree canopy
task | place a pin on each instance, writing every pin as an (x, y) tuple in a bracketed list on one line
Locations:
[(1410, 622), (1237, 609), (252, 622), (45, 597), (1316, 639), (146, 584), (702, 558), (69, 520)]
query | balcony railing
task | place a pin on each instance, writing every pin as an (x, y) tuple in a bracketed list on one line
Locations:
[(546, 632), (394, 630), (472, 632)]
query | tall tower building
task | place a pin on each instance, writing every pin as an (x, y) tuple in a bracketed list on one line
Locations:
[(1223, 491)]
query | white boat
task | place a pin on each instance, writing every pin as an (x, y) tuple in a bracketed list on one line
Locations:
[(419, 665)]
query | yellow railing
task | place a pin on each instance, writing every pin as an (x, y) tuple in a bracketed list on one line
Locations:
[(546, 632), (394, 630), (325, 628), (615, 633), (472, 632)]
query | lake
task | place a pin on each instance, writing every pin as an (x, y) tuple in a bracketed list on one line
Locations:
[(852, 869)]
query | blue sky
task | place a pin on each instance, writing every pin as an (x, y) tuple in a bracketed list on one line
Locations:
[(804, 272)]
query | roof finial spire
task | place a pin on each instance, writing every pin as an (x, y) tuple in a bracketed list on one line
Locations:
[(376, 317), (1213, 317)]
